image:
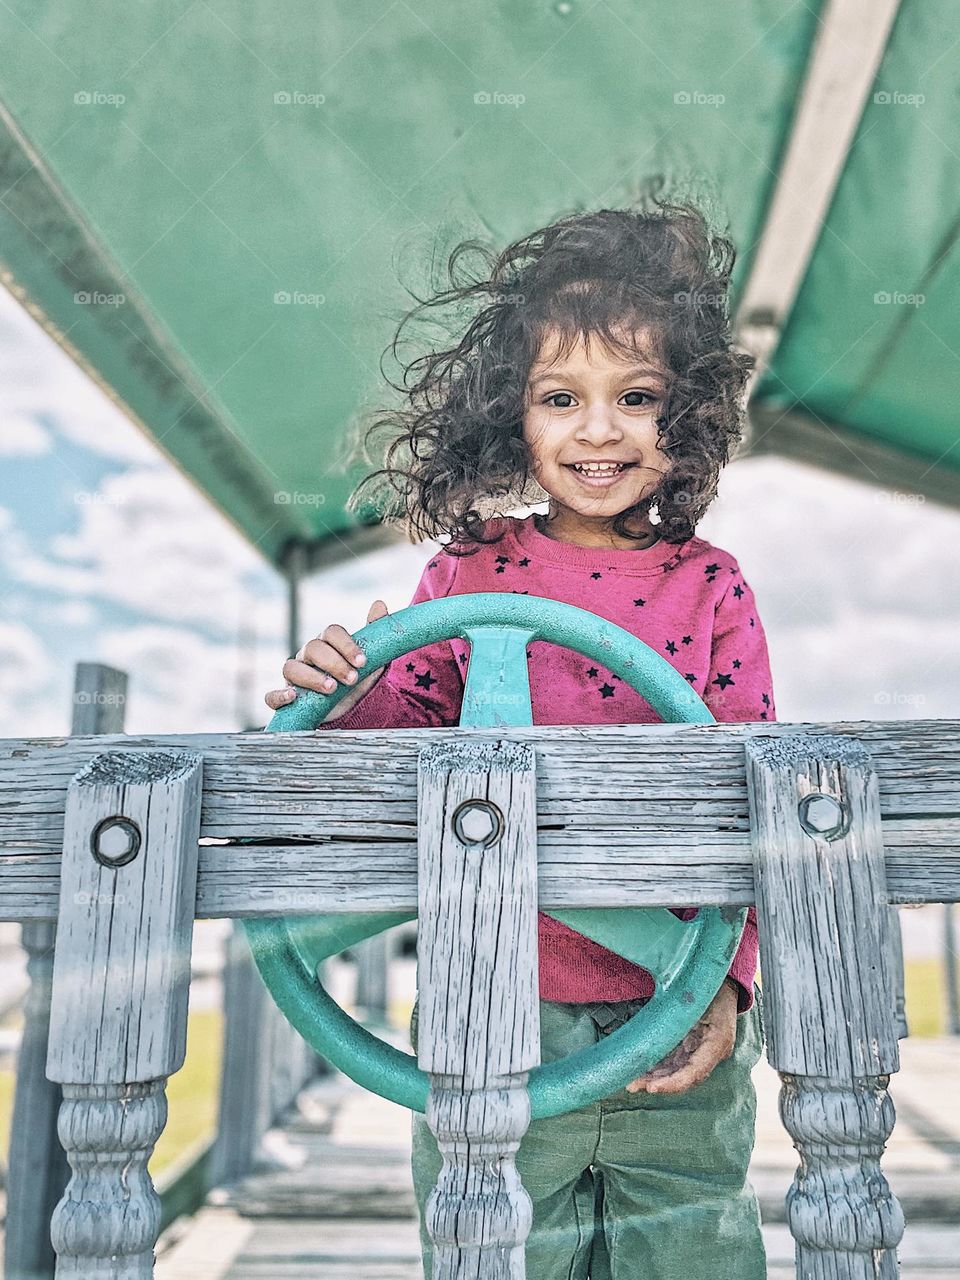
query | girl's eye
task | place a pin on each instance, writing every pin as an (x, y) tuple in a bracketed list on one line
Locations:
[(564, 400)]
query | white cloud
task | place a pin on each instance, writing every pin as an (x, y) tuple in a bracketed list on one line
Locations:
[(178, 682), (866, 665), (22, 437), (858, 589), (38, 380), (27, 674), (145, 539), (809, 542), (25, 666)]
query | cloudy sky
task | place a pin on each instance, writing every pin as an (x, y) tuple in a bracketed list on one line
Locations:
[(108, 554)]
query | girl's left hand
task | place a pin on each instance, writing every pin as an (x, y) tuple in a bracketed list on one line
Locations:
[(709, 1042)]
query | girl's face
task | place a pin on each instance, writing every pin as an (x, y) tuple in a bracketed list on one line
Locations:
[(590, 422)]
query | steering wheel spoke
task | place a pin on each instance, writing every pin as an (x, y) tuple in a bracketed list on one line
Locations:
[(497, 691)]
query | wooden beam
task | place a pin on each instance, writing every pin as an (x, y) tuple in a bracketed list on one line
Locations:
[(57, 269), (301, 559), (792, 433), (851, 40), (659, 815)]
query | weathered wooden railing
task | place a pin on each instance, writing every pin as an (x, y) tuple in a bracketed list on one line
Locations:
[(822, 825), (265, 1063)]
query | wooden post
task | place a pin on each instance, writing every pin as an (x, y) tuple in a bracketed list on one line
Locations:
[(828, 992), (373, 969), (121, 980), (245, 1073), (37, 1168), (899, 977), (266, 1063), (479, 1032)]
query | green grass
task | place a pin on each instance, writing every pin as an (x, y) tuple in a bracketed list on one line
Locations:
[(926, 996), (192, 1092)]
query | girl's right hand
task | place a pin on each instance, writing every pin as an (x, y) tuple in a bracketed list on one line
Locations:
[(331, 657)]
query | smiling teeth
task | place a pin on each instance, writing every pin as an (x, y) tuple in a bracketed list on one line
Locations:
[(598, 468)]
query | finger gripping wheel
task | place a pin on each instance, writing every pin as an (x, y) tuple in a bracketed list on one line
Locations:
[(688, 959)]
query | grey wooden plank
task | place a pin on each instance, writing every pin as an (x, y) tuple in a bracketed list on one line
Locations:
[(369, 1250), (335, 1181), (673, 827)]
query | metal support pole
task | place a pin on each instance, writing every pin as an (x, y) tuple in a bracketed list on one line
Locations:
[(295, 567)]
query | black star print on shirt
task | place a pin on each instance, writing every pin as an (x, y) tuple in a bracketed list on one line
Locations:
[(736, 664), (691, 677), (738, 590), (607, 690), (723, 681), (687, 640), (671, 646), (426, 680), (524, 562), (639, 603), (433, 564), (596, 575), (593, 673), (711, 570), (409, 666)]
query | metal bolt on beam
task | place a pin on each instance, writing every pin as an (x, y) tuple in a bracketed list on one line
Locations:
[(822, 815), (478, 823), (115, 841)]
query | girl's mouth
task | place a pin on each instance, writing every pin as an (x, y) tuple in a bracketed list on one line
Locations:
[(599, 477)]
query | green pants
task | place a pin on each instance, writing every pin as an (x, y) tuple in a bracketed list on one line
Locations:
[(637, 1186)]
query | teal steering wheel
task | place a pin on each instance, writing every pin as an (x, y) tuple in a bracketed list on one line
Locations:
[(687, 959)]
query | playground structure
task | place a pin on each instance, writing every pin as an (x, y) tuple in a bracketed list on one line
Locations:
[(717, 815), (749, 817)]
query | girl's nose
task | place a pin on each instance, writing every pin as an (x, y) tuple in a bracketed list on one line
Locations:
[(597, 425)]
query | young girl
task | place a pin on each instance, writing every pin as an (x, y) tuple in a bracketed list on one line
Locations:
[(595, 373)]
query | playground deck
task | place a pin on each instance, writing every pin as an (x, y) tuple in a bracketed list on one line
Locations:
[(348, 1210)]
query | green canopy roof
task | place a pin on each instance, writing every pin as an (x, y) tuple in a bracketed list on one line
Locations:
[(212, 207)]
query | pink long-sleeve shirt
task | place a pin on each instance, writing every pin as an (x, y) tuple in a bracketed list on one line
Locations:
[(689, 603)]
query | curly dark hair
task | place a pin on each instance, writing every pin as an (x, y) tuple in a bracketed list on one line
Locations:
[(655, 270)]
